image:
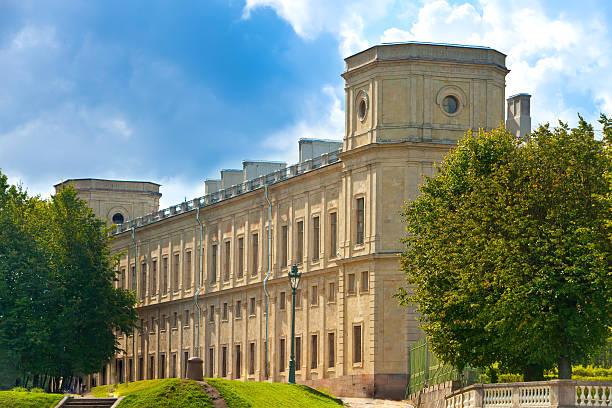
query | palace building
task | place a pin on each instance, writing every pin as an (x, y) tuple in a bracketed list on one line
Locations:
[(335, 214)]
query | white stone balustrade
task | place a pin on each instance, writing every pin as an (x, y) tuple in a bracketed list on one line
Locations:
[(596, 395), (537, 394)]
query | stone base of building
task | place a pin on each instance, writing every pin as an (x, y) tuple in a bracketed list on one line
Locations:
[(390, 386)]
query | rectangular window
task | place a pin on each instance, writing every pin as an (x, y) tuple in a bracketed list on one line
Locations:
[(300, 241), (356, 344), (314, 355), (123, 278), (154, 278), (152, 328), (162, 323), (225, 311), (238, 369), (315, 238), (143, 280), (185, 360), (331, 346), (162, 366), (226, 264), (151, 367), (186, 318), (281, 301), (175, 321), (298, 298), (255, 255), (240, 257), (365, 284), (350, 287), (132, 278), (333, 234), (211, 316), (252, 306), (360, 220), (176, 272), (251, 358), (188, 271), (314, 295), (224, 361), (298, 353), (164, 281), (331, 295), (131, 368), (211, 362), (238, 309), (213, 264), (173, 366), (284, 246), (281, 356)]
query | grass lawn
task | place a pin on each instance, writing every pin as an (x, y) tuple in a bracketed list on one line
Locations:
[(239, 394), (13, 399), (169, 393)]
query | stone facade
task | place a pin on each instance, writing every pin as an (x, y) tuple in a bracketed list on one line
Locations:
[(406, 106), (115, 200)]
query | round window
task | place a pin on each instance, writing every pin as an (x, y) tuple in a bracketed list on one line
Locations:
[(450, 104), (363, 107), (118, 218)]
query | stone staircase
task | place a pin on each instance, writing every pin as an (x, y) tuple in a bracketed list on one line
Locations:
[(88, 403)]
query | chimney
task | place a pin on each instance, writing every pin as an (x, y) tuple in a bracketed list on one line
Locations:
[(518, 121)]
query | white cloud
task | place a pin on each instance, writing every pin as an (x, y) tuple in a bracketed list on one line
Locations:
[(176, 189), (322, 118), (342, 18)]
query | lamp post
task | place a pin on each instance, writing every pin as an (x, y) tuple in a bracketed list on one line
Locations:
[(294, 281)]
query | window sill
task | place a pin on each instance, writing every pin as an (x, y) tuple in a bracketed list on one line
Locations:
[(358, 365), (331, 302), (350, 294)]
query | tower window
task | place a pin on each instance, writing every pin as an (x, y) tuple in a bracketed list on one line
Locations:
[(450, 104), (362, 109), (118, 218)]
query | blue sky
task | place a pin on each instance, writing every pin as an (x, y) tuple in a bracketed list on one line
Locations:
[(172, 92)]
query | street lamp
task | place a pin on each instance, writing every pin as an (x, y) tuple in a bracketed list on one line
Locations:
[(294, 281)]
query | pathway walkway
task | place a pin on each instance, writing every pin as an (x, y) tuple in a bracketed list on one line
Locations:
[(374, 403)]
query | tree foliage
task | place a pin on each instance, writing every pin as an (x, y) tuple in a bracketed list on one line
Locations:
[(508, 254), (59, 310)]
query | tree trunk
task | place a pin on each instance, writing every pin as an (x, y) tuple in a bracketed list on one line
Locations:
[(565, 368), (533, 372)]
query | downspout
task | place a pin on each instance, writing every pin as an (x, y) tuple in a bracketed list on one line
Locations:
[(136, 290), (269, 270), (195, 297)]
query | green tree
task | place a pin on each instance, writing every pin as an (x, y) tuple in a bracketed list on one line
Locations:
[(508, 254), (59, 311)]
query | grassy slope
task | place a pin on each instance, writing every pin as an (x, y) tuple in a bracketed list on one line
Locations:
[(239, 394), (12, 399), (157, 393)]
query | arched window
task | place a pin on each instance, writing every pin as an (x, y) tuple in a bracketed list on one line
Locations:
[(118, 218)]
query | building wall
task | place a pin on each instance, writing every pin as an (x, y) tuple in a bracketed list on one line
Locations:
[(399, 136)]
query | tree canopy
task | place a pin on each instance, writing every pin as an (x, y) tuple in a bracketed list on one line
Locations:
[(59, 310), (508, 253)]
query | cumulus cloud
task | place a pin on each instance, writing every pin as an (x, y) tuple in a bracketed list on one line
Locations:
[(322, 118), (342, 18)]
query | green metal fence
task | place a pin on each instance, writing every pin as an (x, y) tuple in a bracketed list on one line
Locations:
[(426, 369)]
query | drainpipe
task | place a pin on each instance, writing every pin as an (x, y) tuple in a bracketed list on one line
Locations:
[(136, 293), (269, 270), (195, 297)]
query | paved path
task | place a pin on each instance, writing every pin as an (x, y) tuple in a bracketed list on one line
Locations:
[(374, 403)]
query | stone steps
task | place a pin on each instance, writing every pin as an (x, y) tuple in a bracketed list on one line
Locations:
[(89, 403)]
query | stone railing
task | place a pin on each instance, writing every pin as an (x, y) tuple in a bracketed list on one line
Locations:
[(230, 192), (537, 394)]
